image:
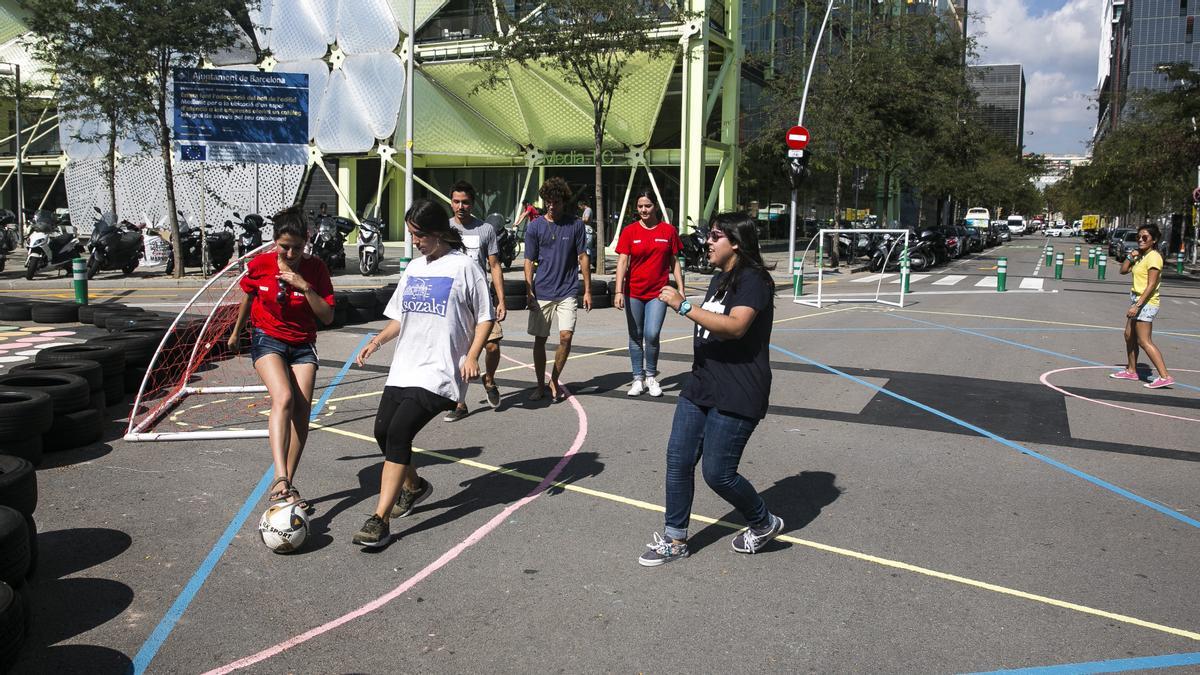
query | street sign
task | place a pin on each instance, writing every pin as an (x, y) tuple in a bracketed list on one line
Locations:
[(795, 154), (1196, 194), (797, 138)]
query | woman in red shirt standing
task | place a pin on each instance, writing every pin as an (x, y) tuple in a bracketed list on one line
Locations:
[(286, 291), (648, 250)]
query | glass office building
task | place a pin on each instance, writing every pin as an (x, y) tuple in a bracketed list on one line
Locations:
[(1001, 92)]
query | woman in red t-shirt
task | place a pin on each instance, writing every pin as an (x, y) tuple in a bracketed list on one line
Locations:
[(647, 249), (286, 291)]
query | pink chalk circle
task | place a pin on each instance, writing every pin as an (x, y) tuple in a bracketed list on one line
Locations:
[(35, 339), (55, 344), (59, 334)]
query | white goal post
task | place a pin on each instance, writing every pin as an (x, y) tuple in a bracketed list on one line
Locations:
[(897, 250)]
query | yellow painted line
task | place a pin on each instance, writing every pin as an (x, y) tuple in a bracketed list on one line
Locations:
[(837, 550), (604, 351), (1052, 323)]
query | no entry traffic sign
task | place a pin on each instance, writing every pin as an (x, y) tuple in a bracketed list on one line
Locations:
[(797, 138)]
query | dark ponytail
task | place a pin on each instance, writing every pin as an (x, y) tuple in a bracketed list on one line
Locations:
[(430, 218)]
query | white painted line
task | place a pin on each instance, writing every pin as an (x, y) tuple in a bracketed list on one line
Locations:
[(950, 280), (831, 298), (986, 282), (1032, 284), (1193, 302), (911, 278), (873, 277)]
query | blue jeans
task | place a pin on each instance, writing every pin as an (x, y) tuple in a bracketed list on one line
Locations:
[(645, 320), (262, 344), (718, 439)]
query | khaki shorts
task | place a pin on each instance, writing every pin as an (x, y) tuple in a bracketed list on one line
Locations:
[(497, 331), (539, 321)]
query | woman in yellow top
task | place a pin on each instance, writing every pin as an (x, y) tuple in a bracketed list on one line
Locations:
[(1146, 265)]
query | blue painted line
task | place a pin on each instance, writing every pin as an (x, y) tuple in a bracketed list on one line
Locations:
[(993, 338), (1113, 666), (1000, 439), (152, 644)]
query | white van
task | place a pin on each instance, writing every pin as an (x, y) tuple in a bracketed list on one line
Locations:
[(1016, 224), (979, 213)]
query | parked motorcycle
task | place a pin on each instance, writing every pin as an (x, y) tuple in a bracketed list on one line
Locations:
[(251, 236), (112, 247), (506, 239), (370, 246), (51, 245), (695, 251), (219, 241), (329, 240), (10, 239)]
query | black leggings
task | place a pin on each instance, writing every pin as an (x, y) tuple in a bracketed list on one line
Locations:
[(403, 412)]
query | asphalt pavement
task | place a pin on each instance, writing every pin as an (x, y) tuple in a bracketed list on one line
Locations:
[(964, 490)]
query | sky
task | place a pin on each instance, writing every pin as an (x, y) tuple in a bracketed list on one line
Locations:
[(1057, 43)]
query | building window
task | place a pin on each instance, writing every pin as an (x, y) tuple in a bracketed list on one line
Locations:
[(1182, 7), (1187, 34)]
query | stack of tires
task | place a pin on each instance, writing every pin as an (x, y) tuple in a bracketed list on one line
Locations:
[(74, 421), (341, 309), (514, 294), (54, 312), (382, 297), (601, 299), (138, 349), (90, 371), (21, 310), (24, 416), (111, 359), (360, 307), (18, 551)]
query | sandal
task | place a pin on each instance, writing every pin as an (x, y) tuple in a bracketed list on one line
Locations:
[(288, 492)]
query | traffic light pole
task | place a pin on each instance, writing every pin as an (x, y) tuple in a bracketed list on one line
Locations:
[(797, 165)]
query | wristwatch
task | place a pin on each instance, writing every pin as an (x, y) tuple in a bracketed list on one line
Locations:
[(684, 308)]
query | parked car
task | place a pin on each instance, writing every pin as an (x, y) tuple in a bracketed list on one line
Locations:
[(1057, 230), (1120, 248), (956, 242), (975, 239), (1114, 239)]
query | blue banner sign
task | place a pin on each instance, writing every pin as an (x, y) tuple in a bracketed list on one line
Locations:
[(241, 116)]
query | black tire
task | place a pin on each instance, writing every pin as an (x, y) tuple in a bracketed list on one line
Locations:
[(14, 622), (126, 319), (55, 312), (128, 269), (515, 302), (31, 268), (24, 413), (598, 301), (93, 267), (85, 313), (384, 295), (98, 401), (74, 430), (599, 287), (514, 287), (68, 393), (18, 484), (14, 547), (114, 389), (25, 448), (88, 370), (358, 315), (144, 319), (16, 311), (154, 332), (362, 299), (100, 314), (31, 526), (138, 349), (110, 358), (133, 379), (170, 270), (611, 287)]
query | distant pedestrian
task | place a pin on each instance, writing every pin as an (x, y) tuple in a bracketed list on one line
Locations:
[(1146, 264), (555, 254), (440, 317), (285, 293), (479, 237), (647, 250), (728, 392)]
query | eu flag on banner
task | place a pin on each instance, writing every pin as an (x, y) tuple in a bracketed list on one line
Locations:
[(193, 153)]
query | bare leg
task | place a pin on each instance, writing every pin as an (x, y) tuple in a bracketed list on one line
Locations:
[(304, 377), (491, 361), (278, 381), (389, 488), (1143, 339), (1131, 346), (539, 362), (560, 360)]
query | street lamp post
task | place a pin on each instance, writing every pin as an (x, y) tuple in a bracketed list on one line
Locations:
[(15, 70)]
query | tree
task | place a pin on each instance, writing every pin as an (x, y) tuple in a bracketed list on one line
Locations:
[(589, 43)]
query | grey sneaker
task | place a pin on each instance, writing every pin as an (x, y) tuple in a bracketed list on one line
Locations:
[(407, 500), (663, 551), (373, 534), (752, 540), (457, 414), (493, 394)]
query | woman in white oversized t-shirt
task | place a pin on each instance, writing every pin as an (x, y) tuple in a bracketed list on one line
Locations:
[(441, 316)]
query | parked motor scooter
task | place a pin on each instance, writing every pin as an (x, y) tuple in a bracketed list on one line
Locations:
[(695, 251), (370, 246), (506, 239), (219, 241), (9, 237), (329, 240), (51, 246), (251, 236), (112, 247)]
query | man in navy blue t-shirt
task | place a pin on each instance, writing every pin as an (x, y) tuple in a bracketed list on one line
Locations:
[(555, 253)]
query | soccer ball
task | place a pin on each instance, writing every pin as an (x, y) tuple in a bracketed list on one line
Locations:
[(283, 527)]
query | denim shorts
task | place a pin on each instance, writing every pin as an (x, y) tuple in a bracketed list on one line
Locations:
[(1147, 313), (262, 344)]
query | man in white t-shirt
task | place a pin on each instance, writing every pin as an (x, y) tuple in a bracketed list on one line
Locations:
[(480, 239)]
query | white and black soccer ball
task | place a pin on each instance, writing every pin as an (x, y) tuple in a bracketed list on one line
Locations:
[(283, 527)]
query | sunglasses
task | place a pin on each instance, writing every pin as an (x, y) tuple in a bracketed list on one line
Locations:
[(1144, 237), (715, 236)]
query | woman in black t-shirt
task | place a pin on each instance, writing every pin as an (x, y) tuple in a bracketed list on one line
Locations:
[(727, 394)]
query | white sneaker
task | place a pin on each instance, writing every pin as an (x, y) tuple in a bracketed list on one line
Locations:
[(653, 387), (636, 389)]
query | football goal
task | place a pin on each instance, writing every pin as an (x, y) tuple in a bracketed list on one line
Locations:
[(888, 249)]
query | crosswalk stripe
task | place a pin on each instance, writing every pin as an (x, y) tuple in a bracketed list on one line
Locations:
[(873, 277), (986, 282), (1032, 283), (911, 278), (950, 280)]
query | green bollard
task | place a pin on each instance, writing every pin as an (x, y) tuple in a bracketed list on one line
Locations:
[(1001, 274), (404, 264), (1100, 265), (797, 277), (820, 252), (1092, 258), (1049, 255), (1179, 263), (1078, 254), (1058, 265), (905, 274), (79, 276)]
